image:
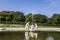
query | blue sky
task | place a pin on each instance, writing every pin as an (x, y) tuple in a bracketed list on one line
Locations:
[(45, 7)]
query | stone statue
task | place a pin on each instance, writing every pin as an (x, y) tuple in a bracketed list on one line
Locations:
[(32, 27), (27, 26), (29, 32), (35, 26)]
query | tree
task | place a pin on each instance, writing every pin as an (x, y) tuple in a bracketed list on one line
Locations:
[(18, 17), (11, 16), (55, 19), (37, 18), (29, 17), (40, 18)]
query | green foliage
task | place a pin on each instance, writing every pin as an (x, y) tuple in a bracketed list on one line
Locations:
[(29, 17), (11, 16), (55, 19), (19, 17), (38, 18)]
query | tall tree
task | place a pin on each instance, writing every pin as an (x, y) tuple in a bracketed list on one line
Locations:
[(40, 18), (55, 19), (29, 17), (19, 17)]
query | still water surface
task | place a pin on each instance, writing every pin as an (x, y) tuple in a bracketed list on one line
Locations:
[(29, 35)]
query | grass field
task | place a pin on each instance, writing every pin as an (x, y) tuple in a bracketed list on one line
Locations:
[(21, 26), (48, 26), (11, 25)]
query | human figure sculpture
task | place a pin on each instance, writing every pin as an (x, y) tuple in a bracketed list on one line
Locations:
[(27, 26), (35, 26), (32, 27)]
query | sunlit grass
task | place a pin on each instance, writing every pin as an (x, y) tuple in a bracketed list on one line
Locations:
[(48, 26), (11, 25), (21, 26)]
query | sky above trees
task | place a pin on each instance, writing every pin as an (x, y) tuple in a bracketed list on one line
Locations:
[(46, 7)]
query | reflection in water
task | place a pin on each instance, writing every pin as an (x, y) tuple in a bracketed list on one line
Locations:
[(50, 38), (30, 35)]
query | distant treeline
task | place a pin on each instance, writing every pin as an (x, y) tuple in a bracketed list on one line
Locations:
[(19, 17)]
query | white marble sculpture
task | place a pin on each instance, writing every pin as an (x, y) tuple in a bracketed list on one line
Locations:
[(33, 27), (30, 28), (27, 26)]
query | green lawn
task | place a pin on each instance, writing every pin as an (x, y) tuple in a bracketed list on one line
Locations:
[(20, 25), (48, 26), (11, 25)]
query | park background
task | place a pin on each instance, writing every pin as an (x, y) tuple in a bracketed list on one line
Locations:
[(18, 19)]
